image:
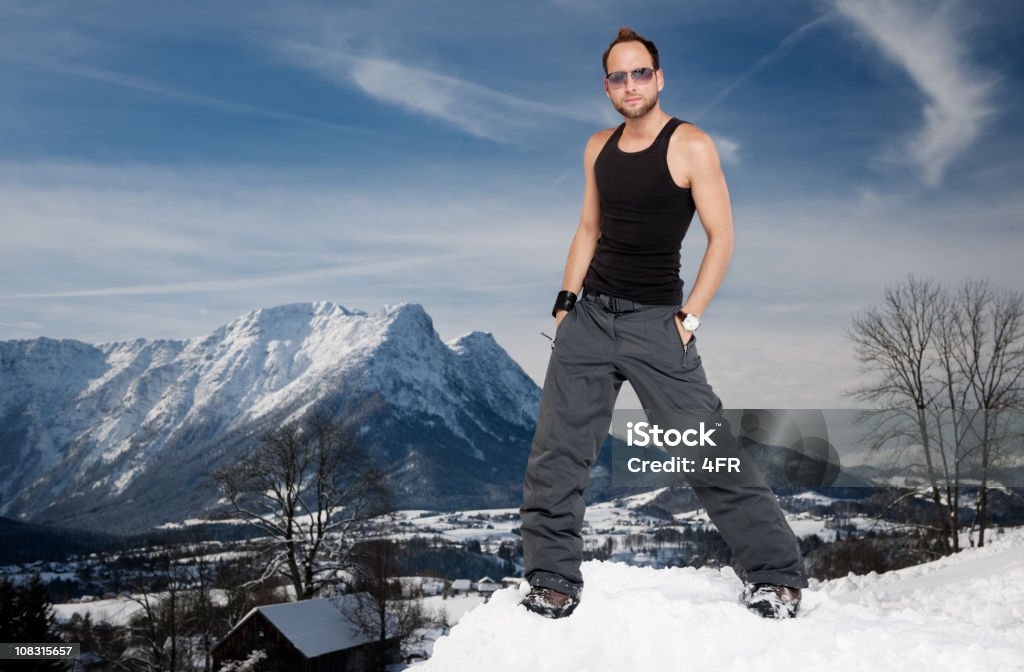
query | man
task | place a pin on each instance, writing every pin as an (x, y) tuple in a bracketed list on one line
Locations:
[(644, 181)]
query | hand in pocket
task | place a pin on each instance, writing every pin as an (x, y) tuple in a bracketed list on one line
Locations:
[(684, 335)]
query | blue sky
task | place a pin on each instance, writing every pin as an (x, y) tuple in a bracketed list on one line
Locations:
[(166, 167)]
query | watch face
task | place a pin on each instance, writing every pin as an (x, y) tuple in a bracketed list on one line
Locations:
[(691, 323)]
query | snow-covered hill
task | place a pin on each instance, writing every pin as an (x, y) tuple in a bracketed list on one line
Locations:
[(123, 433), (964, 612)]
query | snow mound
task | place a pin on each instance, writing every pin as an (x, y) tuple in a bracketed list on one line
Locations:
[(964, 612)]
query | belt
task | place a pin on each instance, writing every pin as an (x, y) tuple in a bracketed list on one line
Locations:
[(617, 304)]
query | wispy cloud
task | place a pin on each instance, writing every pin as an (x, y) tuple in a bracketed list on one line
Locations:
[(149, 86), (728, 150), (367, 267), (473, 108), (924, 41), (79, 230)]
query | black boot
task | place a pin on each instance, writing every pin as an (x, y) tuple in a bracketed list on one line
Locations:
[(771, 601), (550, 603)]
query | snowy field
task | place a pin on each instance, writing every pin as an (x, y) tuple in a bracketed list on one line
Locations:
[(963, 612), (117, 611)]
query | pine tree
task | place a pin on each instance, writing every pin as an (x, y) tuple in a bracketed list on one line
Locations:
[(40, 624), (26, 616), (10, 623)]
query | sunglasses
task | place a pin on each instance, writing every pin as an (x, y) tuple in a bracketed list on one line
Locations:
[(640, 76)]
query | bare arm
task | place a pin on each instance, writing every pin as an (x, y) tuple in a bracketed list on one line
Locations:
[(581, 251), (711, 196)]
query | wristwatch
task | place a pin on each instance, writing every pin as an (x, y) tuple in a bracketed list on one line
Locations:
[(690, 321)]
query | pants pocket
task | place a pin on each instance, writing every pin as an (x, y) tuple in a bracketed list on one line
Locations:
[(687, 351), (679, 337), (562, 326)]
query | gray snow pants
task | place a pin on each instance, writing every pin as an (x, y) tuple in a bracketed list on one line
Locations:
[(598, 345)]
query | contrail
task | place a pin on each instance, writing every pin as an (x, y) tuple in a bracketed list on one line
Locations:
[(785, 45)]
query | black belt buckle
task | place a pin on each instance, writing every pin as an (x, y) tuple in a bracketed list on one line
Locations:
[(618, 305), (613, 303)]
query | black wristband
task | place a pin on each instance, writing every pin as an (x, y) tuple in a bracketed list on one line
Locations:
[(565, 301)]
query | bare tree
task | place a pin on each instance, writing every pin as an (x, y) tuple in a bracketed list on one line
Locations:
[(952, 366), (378, 604), (894, 342), (199, 609), (158, 628), (952, 406), (991, 357), (312, 490)]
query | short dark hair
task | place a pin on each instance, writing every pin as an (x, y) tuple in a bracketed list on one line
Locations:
[(628, 35)]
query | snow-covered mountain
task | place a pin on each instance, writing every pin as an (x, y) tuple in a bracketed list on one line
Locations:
[(122, 434)]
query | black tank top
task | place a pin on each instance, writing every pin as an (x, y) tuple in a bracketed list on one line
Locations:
[(644, 217)]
